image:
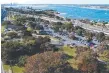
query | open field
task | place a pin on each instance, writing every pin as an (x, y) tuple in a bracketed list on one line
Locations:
[(71, 52), (16, 69)]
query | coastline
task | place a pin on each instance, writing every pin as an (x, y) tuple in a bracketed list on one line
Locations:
[(78, 22), (95, 8)]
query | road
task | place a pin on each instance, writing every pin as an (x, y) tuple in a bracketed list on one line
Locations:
[(94, 28)]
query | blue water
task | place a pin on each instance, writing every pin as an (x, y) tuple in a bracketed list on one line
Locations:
[(76, 12), (80, 13), (3, 14)]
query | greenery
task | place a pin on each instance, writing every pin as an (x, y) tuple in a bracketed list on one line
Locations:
[(39, 27), (79, 32), (15, 69), (68, 25), (48, 62), (29, 29), (30, 53), (6, 23), (2, 28), (69, 51), (89, 36), (22, 60), (57, 26), (12, 34), (103, 52), (100, 36), (9, 51)]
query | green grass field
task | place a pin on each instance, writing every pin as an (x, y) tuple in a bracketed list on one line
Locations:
[(16, 69), (72, 53), (69, 51)]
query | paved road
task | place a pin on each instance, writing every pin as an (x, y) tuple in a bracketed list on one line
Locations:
[(94, 28)]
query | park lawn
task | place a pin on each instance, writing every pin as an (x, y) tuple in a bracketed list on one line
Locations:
[(72, 53), (69, 51), (16, 69)]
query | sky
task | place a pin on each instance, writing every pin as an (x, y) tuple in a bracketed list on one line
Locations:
[(56, 1)]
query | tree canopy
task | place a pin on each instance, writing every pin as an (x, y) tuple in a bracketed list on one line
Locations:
[(48, 62)]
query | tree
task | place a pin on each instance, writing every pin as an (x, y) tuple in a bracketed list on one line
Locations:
[(20, 20), (79, 32), (87, 62), (6, 23), (57, 26), (32, 24), (39, 27), (22, 60), (103, 52), (44, 44), (36, 45), (89, 36), (68, 26), (12, 34), (27, 33), (16, 22), (48, 62), (46, 39), (10, 50), (100, 36), (104, 56), (30, 44), (31, 18), (59, 18)]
